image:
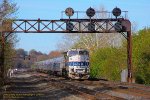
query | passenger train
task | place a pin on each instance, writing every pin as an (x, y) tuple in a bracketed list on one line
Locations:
[(73, 64)]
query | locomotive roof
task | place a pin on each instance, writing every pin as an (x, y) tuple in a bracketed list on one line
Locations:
[(78, 50)]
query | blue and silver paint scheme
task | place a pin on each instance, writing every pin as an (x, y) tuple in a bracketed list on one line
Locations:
[(78, 63), (75, 64)]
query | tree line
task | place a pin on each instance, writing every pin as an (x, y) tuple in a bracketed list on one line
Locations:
[(24, 59)]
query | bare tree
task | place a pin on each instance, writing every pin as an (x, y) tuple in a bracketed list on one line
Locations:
[(7, 11)]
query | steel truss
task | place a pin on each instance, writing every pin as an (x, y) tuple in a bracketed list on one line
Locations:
[(59, 26)]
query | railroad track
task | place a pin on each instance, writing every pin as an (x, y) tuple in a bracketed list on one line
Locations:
[(117, 89), (100, 89), (106, 89), (54, 87), (81, 91)]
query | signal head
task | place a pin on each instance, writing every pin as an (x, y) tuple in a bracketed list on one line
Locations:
[(116, 12), (118, 26), (91, 26), (69, 26), (90, 12), (69, 11)]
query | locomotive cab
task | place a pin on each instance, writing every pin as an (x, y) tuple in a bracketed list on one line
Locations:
[(78, 63)]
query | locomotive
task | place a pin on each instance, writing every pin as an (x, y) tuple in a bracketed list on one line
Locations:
[(73, 64)]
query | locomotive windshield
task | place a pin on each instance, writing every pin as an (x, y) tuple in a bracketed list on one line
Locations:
[(72, 53), (83, 53)]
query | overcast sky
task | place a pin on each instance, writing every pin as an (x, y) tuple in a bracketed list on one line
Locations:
[(51, 9)]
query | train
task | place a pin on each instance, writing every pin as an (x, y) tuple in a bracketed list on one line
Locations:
[(73, 64)]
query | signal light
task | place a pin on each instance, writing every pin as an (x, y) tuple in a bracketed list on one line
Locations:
[(118, 27), (116, 12), (69, 11), (91, 26), (90, 12), (69, 26)]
